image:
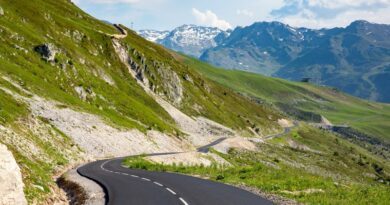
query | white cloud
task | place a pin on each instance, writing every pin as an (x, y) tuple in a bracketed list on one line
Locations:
[(209, 18), (335, 4), (244, 12), (342, 20), (332, 13)]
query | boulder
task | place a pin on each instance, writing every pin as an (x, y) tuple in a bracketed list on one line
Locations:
[(11, 189), (48, 51)]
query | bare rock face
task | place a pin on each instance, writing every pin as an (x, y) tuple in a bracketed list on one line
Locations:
[(11, 189), (172, 83), (48, 51)]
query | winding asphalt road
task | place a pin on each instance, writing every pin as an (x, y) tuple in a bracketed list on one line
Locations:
[(125, 186)]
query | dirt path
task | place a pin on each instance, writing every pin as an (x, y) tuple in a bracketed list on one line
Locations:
[(122, 35)]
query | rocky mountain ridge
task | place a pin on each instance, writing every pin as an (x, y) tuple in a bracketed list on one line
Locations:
[(190, 39), (354, 59)]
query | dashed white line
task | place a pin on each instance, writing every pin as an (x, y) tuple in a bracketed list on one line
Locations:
[(158, 184), (170, 190), (182, 200), (146, 179)]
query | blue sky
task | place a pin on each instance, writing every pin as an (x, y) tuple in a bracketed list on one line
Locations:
[(168, 14)]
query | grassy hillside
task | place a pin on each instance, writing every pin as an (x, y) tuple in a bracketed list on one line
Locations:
[(339, 108), (87, 58), (87, 75), (307, 165)]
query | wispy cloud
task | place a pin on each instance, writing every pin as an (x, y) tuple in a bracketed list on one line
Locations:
[(330, 13), (209, 18), (244, 12)]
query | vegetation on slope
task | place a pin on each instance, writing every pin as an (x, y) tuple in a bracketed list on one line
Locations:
[(87, 75), (86, 58), (369, 117), (308, 165)]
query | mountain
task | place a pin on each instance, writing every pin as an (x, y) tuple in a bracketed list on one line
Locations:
[(74, 89), (304, 101), (153, 35), (189, 39), (354, 59)]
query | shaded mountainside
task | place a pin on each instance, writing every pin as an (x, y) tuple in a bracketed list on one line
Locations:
[(354, 59), (303, 100)]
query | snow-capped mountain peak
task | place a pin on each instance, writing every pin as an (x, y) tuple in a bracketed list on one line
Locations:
[(153, 35), (189, 39)]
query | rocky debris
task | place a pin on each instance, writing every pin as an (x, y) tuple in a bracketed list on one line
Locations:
[(189, 159), (285, 123), (200, 131), (97, 138), (298, 146), (48, 51), (85, 94), (99, 72), (11, 189), (187, 77), (307, 191), (80, 189), (21, 49), (1, 11), (236, 143), (325, 121), (272, 197)]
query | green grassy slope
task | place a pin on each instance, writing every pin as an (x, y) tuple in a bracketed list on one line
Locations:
[(86, 51), (372, 118), (86, 59), (320, 169)]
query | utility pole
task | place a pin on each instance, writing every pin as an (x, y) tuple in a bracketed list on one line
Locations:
[(132, 25)]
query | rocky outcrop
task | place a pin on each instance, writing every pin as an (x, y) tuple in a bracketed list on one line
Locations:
[(137, 71), (48, 51), (11, 189), (172, 84), (85, 94)]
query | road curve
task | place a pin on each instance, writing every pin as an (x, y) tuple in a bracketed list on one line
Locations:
[(125, 186)]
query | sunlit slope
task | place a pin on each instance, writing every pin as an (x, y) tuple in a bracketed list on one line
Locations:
[(339, 108)]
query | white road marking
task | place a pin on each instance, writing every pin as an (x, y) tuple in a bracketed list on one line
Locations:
[(146, 179), (170, 190), (182, 200), (158, 183)]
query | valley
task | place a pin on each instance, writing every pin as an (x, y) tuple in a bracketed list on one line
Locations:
[(83, 97)]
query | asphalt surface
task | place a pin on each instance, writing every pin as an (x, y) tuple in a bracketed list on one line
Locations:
[(125, 186), (206, 148)]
